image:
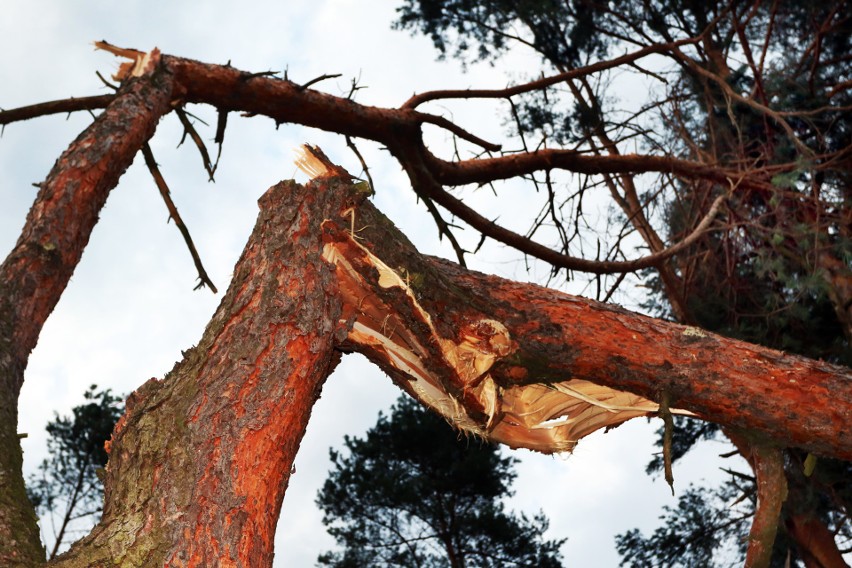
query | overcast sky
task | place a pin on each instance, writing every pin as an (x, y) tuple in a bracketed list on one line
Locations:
[(131, 308)]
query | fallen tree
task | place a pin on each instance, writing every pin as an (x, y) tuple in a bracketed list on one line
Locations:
[(200, 462)]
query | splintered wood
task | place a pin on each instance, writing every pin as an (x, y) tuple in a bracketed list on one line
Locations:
[(141, 62), (451, 374)]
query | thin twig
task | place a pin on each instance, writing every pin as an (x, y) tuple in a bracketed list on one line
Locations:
[(317, 80), (199, 143), (354, 88), (105, 82), (444, 230), (174, 215), (364, 167), (668, 435), (219, 139), (458, 131)]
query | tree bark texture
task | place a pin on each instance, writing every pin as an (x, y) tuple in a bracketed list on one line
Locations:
[(816, 542), (200, 461), (771, 494), (36, 272)]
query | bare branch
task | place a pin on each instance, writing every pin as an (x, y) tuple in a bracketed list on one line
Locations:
[(361, 159), (202, 149), (732, 94), (174, 215), (445, 231), (545, 82), (527, 246), (318, 79), (458, 131), (54, 107)]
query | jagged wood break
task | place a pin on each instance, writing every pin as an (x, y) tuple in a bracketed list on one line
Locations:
[(527, 366), (548, 417)]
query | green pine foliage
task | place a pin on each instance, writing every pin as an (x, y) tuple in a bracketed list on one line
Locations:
[(414, 492), (68, 486)]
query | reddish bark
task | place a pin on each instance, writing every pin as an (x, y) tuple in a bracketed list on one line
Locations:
[(816, 543), (53, 107), (200, 461), (771, 493), (229, 89), (36, 272)]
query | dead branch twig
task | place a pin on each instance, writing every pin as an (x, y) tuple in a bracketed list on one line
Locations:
[(174, 215), (199, 143), (318, 79)]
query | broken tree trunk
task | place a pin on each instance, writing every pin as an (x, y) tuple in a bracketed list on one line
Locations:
[(200, 462), (532, 367)]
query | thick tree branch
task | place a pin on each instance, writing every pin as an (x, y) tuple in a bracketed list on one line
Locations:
[(229, 89), (513, 361), (36, 272)]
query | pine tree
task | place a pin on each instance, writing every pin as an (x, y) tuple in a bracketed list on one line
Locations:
[(414, 492)]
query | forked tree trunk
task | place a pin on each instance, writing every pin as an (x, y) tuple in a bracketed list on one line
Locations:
[(200, 462)]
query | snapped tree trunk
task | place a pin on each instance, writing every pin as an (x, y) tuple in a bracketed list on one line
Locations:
[(200, 461), (536, 368)]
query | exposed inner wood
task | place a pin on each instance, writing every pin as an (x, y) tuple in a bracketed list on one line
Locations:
[(548, 417)]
